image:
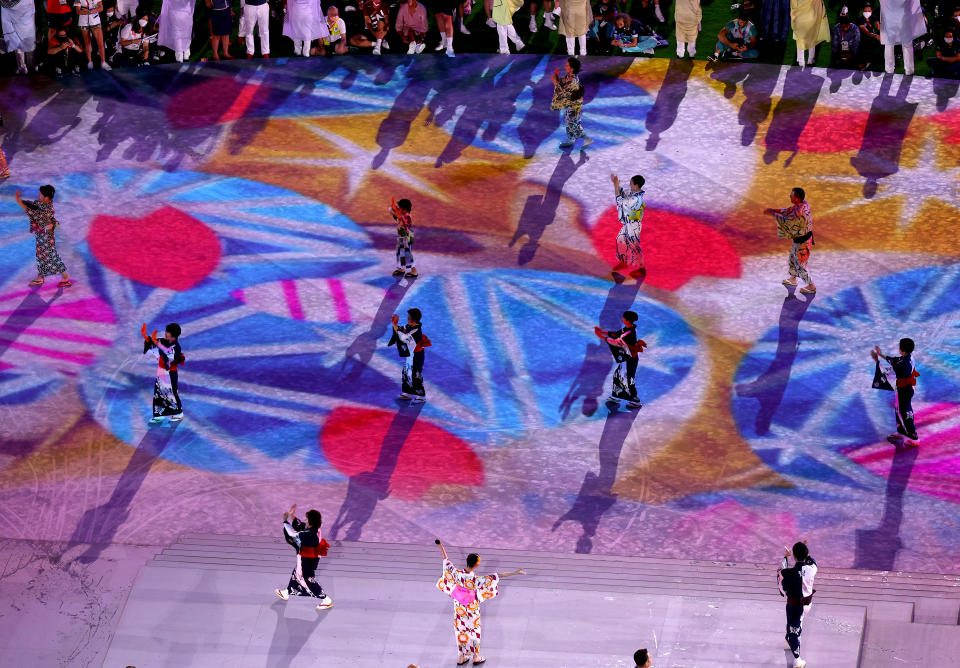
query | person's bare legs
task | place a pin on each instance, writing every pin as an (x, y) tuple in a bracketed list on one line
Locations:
[(88, 48), (98, 35), (215, 43)]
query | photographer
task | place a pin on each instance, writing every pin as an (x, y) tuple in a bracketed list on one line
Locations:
[(60, 54), (134, 49)]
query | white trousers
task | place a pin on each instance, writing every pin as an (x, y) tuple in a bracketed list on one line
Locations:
[(127, 8), (583, 45), (301, 47), (690, 46), (258, 16), (811, 56), (890, 58), (503, 32)]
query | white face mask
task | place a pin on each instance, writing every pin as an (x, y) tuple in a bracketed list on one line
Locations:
[(109, 15), (867, 15), (948, 40), (142, 22)]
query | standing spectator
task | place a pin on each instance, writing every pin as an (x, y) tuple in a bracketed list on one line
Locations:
[(808, 18), (412, 25), (503, 11), (647, 12), (18, 26), (901, 22), (336, 40), (60, 54), (303, 23), (127, 9), (845, 43), (256, 15), (443, 11), (550, 10), (220, 24), (738, 39), (947, 62), (574, 24), (377, 21), (176, 27), (59, 15), (134, 49), (687, 15), (88, 18), (870, 51)]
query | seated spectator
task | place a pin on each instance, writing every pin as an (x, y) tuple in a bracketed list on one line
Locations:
[(62, 54), (628, 36), (411, 25), (947, 61), (376, 20), (845, 42), (870, 50), (59, 15), (111, 32), (737, 39), (336, 41), (134, 47), (647, 12), (603, 26)]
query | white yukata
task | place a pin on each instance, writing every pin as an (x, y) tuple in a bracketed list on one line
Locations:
[(176, 27), (630, 207), (19, 30), (901, 22), (304, 22)]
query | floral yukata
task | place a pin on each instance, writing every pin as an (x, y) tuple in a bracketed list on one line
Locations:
[(467, 590), (43, 224), (630, 206), (166, 398), (796, 222), (568, 95)]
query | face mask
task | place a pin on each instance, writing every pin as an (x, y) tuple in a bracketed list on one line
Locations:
[(948, 40), (142, 22), (867, 15), (109, 15)]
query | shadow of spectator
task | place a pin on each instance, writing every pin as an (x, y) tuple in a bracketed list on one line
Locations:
[(38, 112), (801, 89), (663, 114), (597, 360), (758, 93), (768, 388), (596, 496), (945, 90), (541, 210), (877, 548), (360, 352), (99, 525), (890, 117), (368, 488), (836, 77)]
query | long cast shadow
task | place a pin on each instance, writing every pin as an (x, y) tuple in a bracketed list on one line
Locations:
[(597, 361), (596, 495), (663, 114), (758, 89), (768, 388), (791, 114), (99, 525), (361, 350), (890, 117), (877, 549), (541, 210), (23, 316), (368, 488), (289, 636)]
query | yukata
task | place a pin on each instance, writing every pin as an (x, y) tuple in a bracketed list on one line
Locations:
[(407, 339), (404, 238), (303, 580), (630, 206), (467, 590), (568, 95), (796, 584), (906, 380), (796, 222), (166, 397), (625, 346), (43, 224)]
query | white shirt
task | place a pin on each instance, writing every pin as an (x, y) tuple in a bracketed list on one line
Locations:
[(127, 33)]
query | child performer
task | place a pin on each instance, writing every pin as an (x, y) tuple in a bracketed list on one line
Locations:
[(310, 547), (467, 590), (166, 398), (796, 222), (401, 214), (43, 225), (796, 585), (630, 207), (405, 338), (625, 346), (906, 380)]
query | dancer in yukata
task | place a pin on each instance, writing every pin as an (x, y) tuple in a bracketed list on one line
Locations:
[(468, 590), (625, 347), (402, 216), (568, 95), (43, 225), (630, 207), (796, 585), (166, 397), (906, 381), (310, 546), (410, 342), (796, 222)]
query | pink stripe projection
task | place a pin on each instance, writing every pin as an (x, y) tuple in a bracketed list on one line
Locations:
[(80, 358), (90, 310), (63, 336), (339, 298), (293, 299), (239, 107)]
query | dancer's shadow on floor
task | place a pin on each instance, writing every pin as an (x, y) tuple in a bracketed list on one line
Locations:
[(597, 360), (290, 635), (367, 488), (99, 525), (360, 352), (663, 113), (769, 386), (541, 210), (596, 495), (877, 549)]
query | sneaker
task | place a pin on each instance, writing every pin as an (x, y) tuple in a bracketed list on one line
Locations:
[(376, 50), (421, 47), (105, 66), (790, 282), (325, 604), (450, 53), (714, 58), (808, 289), (90, 65), (463, 30), (385, 46), (412, 48), (533, 24), (548, 21), (442, 45), (282, 593), (491, 23), (586, 142)]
